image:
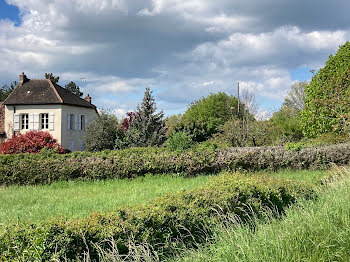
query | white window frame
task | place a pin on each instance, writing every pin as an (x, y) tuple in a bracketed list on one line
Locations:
[(24, 121), (44, 121)]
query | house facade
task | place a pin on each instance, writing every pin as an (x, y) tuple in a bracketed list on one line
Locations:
[(40, 104)]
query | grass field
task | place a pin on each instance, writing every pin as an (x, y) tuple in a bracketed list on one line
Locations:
[(312, 231), (74, 199)]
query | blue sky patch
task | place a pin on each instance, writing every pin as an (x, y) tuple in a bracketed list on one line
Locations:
[(9, 12)]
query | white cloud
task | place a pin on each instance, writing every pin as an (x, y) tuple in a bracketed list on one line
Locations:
[(182, 49)]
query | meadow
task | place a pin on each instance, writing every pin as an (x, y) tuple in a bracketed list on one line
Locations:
[(76, 199), (310, 231)]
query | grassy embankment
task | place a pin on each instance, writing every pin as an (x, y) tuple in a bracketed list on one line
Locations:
[(75, 199), (311, 231)]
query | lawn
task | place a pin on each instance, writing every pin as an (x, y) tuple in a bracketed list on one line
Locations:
[(73, 199), (76, 199), (311, 231)]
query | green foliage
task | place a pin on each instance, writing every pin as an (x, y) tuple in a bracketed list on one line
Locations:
[(179, 141), (311, 231), (165, 224), (146, 129), (296, 146), (287, 125), (204, 116), (54, 79), (6, 90), (322, 140), (26, 169), (327, 104), (171, 122), (244, 132), (101, 133), (73, 88)]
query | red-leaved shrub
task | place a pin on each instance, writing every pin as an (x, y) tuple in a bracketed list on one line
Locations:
[(30, 142)]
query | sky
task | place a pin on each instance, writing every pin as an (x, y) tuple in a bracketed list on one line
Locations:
[(182, 50)]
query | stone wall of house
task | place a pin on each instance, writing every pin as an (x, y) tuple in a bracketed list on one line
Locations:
[(2, 118), (2, 122)]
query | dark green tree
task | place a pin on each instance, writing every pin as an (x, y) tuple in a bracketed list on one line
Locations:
[(101, 133), (73, 88), (54, 79), (147, 128), (6, 90), (327, 103)]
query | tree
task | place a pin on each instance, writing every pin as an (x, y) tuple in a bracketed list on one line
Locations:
[(287, 124), (101, 133), (296, 96), (327, 103), (54, 79), (6, 90), (147, 127), (204, 116), (73, 88)]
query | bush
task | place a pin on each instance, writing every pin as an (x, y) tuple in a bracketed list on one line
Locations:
[(30, 142), (322, 140), (178, 142), (101, 133), (168, 224), (26, 169)]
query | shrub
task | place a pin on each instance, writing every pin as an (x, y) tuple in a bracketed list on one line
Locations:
[(25, 169), (179, 141), (30, 142), (101, 133), (171, 222)]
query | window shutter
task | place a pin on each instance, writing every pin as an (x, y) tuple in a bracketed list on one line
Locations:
[(76, 122), (51, 121), (79, 122), (68, 122), (36, 121), (31, 121), (16, 122)]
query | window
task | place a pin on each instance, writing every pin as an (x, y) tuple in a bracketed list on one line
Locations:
[(72, 122), (44, 121), (82, 122), (24, 121)]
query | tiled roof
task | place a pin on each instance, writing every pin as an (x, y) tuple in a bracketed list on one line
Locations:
[(44, 92)]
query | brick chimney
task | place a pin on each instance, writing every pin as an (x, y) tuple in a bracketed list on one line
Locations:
[(88, 98), (22, 79)]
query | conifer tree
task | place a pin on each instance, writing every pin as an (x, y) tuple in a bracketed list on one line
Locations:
[(73, 88), (147, 128)]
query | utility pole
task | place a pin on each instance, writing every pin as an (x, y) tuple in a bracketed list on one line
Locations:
[(238, 98)]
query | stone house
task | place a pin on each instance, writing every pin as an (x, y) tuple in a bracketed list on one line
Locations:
[(40, 104)]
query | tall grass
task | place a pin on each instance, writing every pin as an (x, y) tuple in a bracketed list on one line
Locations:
[(73, 199), (312, 231)]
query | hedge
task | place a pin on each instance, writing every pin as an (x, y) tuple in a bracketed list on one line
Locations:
[(174, 221), (27, 169)]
